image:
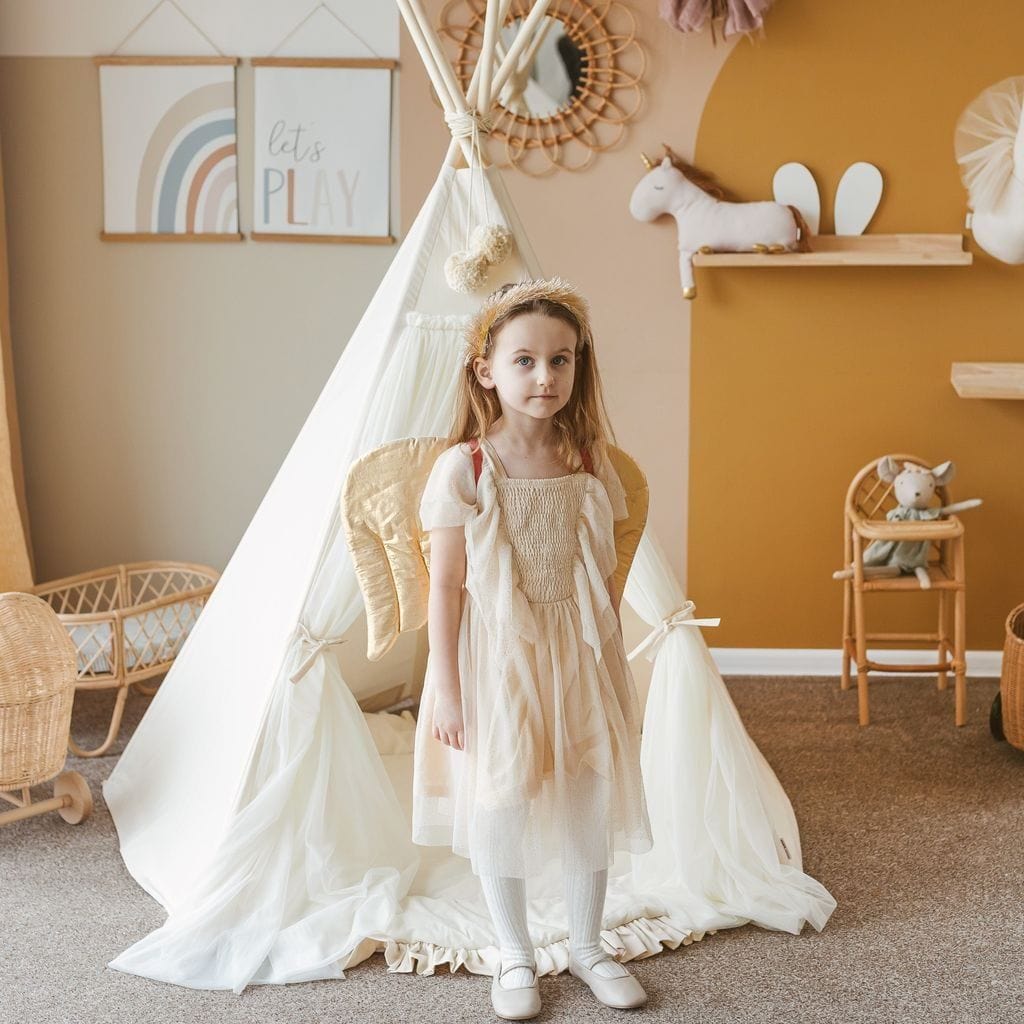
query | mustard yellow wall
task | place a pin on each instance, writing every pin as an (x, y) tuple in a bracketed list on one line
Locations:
[(800, 376)]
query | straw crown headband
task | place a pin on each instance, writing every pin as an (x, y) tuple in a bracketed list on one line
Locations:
[(554, 289)]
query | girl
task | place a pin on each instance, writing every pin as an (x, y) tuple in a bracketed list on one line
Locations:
[(528, 735)]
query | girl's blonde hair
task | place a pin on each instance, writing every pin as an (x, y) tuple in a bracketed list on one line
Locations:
[(583, 422)]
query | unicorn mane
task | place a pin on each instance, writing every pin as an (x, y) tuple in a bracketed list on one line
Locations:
[(695, 176)]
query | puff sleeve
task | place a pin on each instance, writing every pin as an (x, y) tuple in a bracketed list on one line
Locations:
[(605, 472), (449, 497)]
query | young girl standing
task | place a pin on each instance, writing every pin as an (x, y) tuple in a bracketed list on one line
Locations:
[(528, 737)]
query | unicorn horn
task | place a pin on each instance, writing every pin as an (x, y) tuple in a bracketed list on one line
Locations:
[(647, 161)]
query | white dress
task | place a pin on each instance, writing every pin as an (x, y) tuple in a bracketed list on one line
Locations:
[(552, 722)]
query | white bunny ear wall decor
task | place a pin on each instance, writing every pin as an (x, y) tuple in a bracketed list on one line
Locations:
[(990, 152), (857, 197)]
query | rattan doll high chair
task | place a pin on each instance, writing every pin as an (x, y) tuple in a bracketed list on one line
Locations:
[(867, 501)]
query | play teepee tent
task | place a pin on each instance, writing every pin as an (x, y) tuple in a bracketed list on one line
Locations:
[(271, 819)]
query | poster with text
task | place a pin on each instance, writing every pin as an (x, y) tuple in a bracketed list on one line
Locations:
[(170, 163), (322, 152)]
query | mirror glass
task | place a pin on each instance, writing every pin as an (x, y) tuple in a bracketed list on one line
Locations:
[(548, 74)]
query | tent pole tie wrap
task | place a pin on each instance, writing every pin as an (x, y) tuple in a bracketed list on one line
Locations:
[(313, 645), (471, 124), (468, 124), (683, 616)]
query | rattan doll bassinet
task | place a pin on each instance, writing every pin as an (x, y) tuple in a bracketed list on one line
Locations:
[(128, 623)]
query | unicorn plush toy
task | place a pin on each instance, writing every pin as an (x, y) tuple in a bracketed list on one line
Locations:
[(707, 222)]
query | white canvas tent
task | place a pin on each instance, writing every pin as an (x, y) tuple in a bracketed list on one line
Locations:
[(271, 819)]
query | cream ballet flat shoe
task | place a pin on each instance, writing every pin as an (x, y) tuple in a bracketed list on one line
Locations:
[(519, 1003), (620, 993)]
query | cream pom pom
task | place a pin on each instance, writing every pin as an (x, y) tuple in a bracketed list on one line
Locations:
[(492, 241), (465, 271)]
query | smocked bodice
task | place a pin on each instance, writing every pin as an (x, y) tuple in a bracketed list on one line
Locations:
[(540, 520), (540, 517)]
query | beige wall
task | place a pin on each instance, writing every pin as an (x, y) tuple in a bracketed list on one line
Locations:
[(802, 376), (161, 385)]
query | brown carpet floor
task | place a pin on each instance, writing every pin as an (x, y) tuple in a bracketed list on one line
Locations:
[(915, 826)]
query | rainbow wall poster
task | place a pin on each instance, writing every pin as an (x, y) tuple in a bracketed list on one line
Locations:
[(170, 164)]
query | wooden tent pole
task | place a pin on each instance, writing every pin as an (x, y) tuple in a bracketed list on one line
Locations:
[(523, 38), (486, 62), (473, 92), (438, 67), (530, 54), (413, 25), (452, 156), (443, 65)]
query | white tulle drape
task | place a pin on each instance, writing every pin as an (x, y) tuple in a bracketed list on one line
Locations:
[(260, 812), (317, 855), (726, 842)]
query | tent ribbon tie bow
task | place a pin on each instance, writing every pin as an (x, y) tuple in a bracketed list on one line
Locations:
[(683, 616), (313, 646)]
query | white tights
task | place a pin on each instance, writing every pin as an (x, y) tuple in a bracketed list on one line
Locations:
[(505, 892), (584, 900)]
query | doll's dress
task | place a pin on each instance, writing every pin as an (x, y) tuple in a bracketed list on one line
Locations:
[(906, 555), (551, 765)]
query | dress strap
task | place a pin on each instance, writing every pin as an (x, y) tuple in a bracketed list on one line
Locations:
[(478, 458), (496, 464)]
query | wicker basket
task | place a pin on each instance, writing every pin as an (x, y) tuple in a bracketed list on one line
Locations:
[(127, 623), (37, 688), (1011, 684)]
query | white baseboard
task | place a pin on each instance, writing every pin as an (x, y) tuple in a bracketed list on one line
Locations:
[(823, 661)]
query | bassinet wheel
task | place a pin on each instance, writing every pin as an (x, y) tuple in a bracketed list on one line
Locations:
[(995, 718), (73, 786)]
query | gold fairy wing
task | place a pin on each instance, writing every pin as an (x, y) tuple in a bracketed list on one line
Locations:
[(628, 531), (380, 515)]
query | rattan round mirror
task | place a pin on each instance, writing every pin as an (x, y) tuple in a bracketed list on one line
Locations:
[(574, 88)]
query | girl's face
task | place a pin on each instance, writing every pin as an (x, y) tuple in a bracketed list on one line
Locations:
[(532, 365)]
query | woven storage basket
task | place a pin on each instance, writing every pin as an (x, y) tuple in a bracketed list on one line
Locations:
[(1011, 685), (37, 688)]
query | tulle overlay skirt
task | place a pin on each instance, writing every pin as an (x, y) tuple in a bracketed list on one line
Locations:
[(551, 765)]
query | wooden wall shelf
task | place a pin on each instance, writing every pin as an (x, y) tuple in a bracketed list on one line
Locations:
[(988, 380), (855, 251)]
